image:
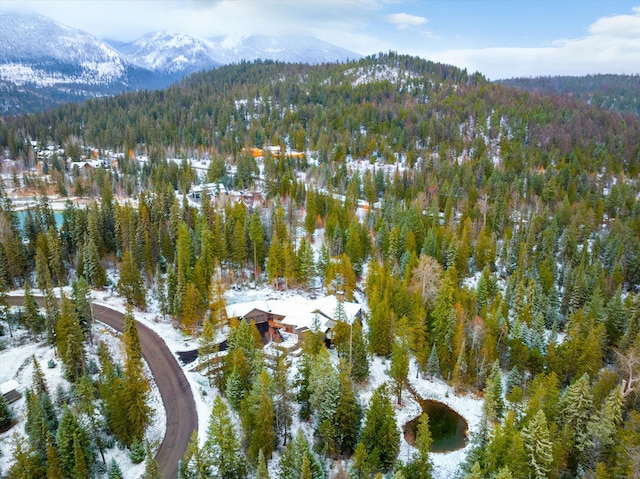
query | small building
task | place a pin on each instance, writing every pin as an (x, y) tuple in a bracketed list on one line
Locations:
[(9, 390)]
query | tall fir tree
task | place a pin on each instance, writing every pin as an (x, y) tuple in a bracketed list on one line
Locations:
[(93, 269), (151, 467), (54, 466), (261, 471), (130, 282), (73, 443), (27, 463), (136, 389), (420, 467), (347, 416), (222, 445), (399, 369), (282, 398), (433, 363), (380, 434), (294, 456), (493, 406), (31, 317), (258, 418), (539, 446)]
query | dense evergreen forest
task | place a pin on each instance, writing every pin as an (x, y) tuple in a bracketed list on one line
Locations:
[(493, 232), (612, 92)]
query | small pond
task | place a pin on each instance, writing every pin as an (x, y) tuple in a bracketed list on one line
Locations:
[(448, 428)]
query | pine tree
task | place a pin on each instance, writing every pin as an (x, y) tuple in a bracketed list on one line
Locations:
[(380, 435), (41, 420), (282, 397), (54, 466), (294, 456), (93, 269), (51, 308), (81, 469), (136, 387), (257, 241), (475, 473), (257, 414), (151, 468), (86, 396), (539, 446), (460, 368), (262, 472), (303, 378), (325, 393), (114, 470), (82, 301), (576, 405), (239, 245), (222, 445), (306, 262), (27, 463), (38, 381), (70, 340), (443, 319), (504, 473), (234, 389), (514, 378), (360, 468), (305, 470), (359, 352), (275, 260), (208, 350), (347, 416), (399, 369), (420, 466), (194, 464), (493, 406), (433, 363), (43, 273), (130, 282), (73, 440), (604, 423), (31, 316)]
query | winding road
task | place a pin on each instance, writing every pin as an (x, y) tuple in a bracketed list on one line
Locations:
[(180, 407)]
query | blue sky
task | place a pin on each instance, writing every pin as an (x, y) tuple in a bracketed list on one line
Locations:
[(499, 38)]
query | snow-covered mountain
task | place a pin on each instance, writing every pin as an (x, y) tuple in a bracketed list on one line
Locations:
[(169, 54), (36, 50), (286, 48), (44, 63)]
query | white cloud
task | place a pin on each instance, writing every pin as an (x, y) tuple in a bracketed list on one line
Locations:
[(612, 45), (404, 20)]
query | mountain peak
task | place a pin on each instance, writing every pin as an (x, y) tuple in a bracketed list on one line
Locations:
[(53, 63)]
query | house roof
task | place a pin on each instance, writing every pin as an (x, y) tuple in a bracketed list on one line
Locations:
[(8, 386), (299, 313)]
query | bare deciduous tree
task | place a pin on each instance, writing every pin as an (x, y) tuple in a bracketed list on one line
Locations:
[(426, 279)]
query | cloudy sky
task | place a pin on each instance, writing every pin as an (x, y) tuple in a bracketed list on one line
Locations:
[(499, 38)]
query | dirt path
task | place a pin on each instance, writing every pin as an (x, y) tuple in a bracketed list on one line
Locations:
[(182, 418)]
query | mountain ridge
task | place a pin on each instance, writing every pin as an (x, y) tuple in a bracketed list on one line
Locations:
[(44, 63)]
